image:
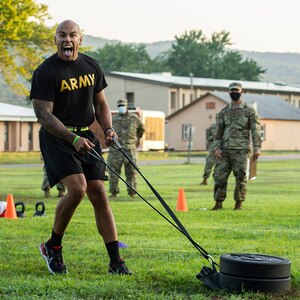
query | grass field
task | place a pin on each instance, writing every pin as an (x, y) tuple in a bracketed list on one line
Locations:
[(164, 262)]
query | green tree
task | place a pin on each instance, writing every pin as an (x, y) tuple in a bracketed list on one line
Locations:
[(233, 67), (194, 53), (24, 41), (124, 58)]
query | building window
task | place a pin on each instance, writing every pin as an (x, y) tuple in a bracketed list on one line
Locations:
[(183, 100), (173, 100), (263, 132), (186, 131), (130, 99)]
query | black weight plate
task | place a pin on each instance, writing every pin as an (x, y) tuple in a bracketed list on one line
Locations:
[(240, 284), (255, 266)]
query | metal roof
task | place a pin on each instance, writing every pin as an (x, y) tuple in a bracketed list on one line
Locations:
[(9, 112), (268, 106), (169, 80)]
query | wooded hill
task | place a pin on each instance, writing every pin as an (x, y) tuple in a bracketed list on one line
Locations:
[(280, 67)]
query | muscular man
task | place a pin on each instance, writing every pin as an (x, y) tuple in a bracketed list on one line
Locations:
[(67, 93)]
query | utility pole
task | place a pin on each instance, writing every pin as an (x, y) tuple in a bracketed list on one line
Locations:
[(191, 131), (192, 86)]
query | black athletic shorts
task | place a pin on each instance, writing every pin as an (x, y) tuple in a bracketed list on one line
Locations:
[(61, 158)]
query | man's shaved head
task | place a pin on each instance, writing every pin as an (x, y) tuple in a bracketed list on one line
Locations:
[(68, 23)]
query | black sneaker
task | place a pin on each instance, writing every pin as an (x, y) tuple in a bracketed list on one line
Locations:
[(118, 268), (53, 258)]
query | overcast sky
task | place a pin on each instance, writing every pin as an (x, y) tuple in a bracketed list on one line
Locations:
[(254, 25)]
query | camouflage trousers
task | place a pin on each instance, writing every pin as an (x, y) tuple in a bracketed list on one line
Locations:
[(210, 161), (116, 160), (46, 186), (235, 161)]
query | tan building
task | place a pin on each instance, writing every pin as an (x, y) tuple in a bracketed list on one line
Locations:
[(167, 93), (18, 128), (280, 121)]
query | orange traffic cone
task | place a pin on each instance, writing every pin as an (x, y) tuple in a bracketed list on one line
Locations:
[(181, 202), (10, 212)]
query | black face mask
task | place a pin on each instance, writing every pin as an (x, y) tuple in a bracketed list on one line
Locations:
[(235, 96)]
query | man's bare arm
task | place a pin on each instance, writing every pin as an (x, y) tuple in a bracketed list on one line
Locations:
[(43, 110)]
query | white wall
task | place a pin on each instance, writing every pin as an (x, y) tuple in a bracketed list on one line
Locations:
[(147, 96)]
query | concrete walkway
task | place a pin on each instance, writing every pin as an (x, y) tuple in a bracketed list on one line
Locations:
[(198, 160), (193, 160)]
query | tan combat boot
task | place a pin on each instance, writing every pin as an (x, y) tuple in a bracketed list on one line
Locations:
[(238, 205), (47, 193), (218, 205), (204, 182)]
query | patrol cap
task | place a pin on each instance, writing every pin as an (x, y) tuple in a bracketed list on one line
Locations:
[(235, 85), (122, 102)]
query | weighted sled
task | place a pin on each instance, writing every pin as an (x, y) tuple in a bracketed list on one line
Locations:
[(254, 272), (255, 266), (239, 284)]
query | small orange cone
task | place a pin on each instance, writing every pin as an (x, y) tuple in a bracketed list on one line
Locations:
[(10, 212), (181, 202)]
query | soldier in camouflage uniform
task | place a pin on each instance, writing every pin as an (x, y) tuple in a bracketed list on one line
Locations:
[(210, 159), (235, 123), (46, 185), (129, 129)]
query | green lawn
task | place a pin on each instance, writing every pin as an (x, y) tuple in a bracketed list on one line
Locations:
[(164, 262)]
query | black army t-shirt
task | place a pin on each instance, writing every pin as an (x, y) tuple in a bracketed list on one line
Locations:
[(71, 86)]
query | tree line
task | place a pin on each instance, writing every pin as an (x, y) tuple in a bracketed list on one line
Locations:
[(25, 41), (191, 52)]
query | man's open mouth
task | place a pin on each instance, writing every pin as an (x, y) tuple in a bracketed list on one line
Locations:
[(68, 50)]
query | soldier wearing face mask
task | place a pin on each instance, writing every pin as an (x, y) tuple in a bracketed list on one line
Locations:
[(237, 125), (130, 130)]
